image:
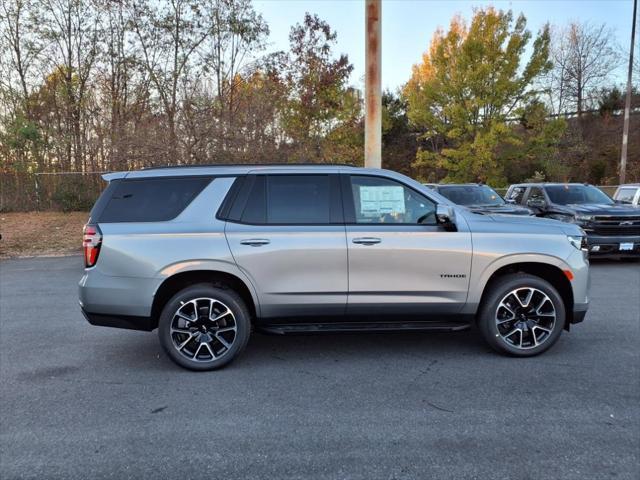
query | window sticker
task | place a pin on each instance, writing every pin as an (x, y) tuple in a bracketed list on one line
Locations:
[(377, 200)]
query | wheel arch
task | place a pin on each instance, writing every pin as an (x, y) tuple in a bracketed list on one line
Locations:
[(175, 282), (552, 273)]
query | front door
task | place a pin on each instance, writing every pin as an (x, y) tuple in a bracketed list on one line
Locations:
[(400, 260), (290, 241)]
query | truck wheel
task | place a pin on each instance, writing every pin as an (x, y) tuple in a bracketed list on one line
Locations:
[(204, 327), (522, 315)]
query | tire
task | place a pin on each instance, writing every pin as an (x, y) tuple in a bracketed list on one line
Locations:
[(511, 322), (210, 338)]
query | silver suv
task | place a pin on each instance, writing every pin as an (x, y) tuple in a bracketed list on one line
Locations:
[(206, 254)]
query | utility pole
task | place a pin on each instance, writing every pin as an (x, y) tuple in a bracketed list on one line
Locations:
[(372, 87), (627, 106)]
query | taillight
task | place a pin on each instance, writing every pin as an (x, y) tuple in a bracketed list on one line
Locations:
[(91, 243)]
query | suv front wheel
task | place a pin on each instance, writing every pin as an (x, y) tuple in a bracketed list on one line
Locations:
[(204, 327), (522, 315)]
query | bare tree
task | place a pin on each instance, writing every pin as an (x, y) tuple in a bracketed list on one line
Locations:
[(169, 35), (238, 33), (584, 55), (19, 48)]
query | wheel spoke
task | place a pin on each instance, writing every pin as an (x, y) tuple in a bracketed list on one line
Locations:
[(184, 317), (226, 329), (221, 315), (180, 330), (213, 355), (508, 309), (223, 341), (195, 355), (184, 344), (528, 299)]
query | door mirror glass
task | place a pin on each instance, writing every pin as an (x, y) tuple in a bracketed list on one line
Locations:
[(445, 216)]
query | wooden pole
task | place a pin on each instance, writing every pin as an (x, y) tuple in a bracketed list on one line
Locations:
[(627, 106), (373, 90)]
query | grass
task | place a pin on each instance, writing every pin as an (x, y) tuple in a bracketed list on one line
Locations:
[(28, 234)]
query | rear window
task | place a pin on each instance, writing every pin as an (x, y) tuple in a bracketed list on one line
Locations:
[(480, 195), (626, 195), (150, 199)]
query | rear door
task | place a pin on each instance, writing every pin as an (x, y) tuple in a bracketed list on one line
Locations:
[(286, 232), (400, 260)]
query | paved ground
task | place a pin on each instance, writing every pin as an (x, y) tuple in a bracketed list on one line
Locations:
[(89, 402)]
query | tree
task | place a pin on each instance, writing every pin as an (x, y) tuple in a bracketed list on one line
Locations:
[(319, 98), (168, 35), (238, 33), (583, 56), (469, 83)]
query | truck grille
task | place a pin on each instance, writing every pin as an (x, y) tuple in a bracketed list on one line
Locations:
[(616, 226)]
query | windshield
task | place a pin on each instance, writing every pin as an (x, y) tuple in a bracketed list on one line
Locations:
[(471, 195), (577, 195)]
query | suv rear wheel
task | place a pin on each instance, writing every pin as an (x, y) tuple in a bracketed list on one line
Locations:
[(204, 327), (522, 315)]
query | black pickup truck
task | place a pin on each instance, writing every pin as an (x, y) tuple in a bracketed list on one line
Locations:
[(478, 198), (612, 229)]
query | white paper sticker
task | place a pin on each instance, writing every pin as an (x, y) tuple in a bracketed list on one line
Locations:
[(376, 201)]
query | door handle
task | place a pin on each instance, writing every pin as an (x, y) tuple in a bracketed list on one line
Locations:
[(366, 240), (255, 242)]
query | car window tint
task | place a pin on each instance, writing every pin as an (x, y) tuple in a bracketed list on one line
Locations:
[(381, 200), (255, 210), (298, 199), (151, 200)]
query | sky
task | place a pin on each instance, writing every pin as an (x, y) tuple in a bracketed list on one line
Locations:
[(408, 25)]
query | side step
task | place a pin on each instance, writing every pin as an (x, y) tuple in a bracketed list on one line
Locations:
[(342, 327)]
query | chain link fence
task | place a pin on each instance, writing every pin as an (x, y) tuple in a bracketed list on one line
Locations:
[(63, 191)]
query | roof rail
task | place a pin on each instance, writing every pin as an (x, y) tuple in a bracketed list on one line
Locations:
[(299, 164)]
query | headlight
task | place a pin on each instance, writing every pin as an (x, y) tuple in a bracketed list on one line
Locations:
[(583, 218), (579, 242)]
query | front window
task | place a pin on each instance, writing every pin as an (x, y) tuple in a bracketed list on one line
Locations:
[(577, 195), (380, 200), (476, 195)]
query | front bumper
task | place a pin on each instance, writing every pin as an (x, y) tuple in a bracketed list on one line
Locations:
[(600, 245)]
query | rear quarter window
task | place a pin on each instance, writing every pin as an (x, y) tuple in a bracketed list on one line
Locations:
[(149, 199)]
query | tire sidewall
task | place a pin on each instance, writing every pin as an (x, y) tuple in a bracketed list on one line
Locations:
[(231, 299), (486, 319)]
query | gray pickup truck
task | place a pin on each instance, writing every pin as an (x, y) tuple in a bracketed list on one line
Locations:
[(208, 254)]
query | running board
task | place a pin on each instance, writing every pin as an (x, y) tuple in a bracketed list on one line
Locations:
[(341, 327)]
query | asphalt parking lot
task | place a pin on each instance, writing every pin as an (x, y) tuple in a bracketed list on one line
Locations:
[(90, 402)]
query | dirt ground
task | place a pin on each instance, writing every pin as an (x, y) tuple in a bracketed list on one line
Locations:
[(26, 234)]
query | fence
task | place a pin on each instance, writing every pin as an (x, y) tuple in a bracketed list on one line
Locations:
[(66, 191)]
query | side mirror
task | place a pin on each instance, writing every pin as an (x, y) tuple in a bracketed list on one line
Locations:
[(510, 201), (538, 203), (445, 216)]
